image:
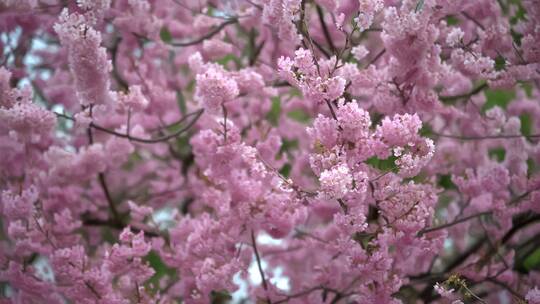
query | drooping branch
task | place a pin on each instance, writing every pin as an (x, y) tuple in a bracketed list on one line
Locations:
[(208, 35), (475, 91), (197, 114), (448, 225)]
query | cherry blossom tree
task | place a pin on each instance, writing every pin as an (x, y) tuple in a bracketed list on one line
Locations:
[(270, 151)]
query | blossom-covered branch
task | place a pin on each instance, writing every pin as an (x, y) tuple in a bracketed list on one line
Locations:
[(269, 151)]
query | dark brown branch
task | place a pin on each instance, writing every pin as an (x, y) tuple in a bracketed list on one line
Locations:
[(427, 293), (258, 258), (447, 225), (460, 137), (208, 35), (327, 36), (259, 7), (300, 294), (520, 222), (225, 114), (379, 55), (508, 288), (110, 201), (302, 28), (331, 110), (475, 91), (256, 52), (338, 295), (343, 206), (116, 225), (466, 15), (92, 289), (197, 114), (124, 86)]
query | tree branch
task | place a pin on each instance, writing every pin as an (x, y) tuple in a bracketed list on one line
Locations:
[(320, 13), (258, 258), (207, 35), (447, 225), (475, 91), (197, 115), (110, 202)]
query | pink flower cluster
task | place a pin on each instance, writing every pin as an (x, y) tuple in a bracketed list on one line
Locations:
[(269, 151)]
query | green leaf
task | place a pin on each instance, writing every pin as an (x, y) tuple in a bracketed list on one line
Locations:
[(363, 238), (157, 264), (516, 36), (275, 111), (520, 12), (497, 153), (426, 130), (526, 124), (220, 297), (500, 63), (383, 164), (528, 88), (288, 145), (165, 35), (159, 267), (285, 170), (295, 92), (499, 98), (227, 58), (376, 118), (445, 181), (451, 20), (181, 102), (108, 236), (532, 167), (182, 146), (299, 116), (532, 262)]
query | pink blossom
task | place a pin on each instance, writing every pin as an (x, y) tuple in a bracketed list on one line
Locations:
[(88, 61), (28, 121), (443, 291), (360, 52), (325, 131), (214, 88), (280, 151), (134, 100), (336, 182), (533, 296)]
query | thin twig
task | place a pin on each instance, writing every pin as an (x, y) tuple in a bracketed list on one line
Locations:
[(466, 15), (505, 286), (303, 29), (117, 225), (473, 294), (320, 13), (258, 258), (197, 114), (299, 294), (302, 232), (112, 205), (208, 35), (461, 137), (333, 113), (225, 114), (475, 91), (447, 225), (379, 55)]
